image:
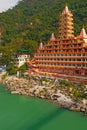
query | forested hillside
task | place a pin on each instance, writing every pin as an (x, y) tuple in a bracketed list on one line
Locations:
[(32, 21)]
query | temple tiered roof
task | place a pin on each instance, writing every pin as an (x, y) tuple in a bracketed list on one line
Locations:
[(64, 56)]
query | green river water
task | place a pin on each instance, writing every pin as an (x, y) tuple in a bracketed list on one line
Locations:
[(25, 113)]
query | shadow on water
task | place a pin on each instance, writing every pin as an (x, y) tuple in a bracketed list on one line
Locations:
[(44, 120)]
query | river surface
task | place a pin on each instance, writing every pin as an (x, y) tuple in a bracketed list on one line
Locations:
[(25, 113)]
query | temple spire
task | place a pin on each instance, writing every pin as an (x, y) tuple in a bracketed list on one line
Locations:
[(41, 46), (83, 33), (66, 25), (66, 10), (52, 38)]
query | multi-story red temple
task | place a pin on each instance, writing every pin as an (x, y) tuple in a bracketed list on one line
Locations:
[(66, 56)]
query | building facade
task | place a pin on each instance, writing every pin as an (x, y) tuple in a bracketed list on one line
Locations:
[(65, 56), (21, 58)]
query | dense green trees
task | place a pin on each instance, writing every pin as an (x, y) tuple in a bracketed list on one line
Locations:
[(11, 69), (36, 19), (22, 68), (32, 21)]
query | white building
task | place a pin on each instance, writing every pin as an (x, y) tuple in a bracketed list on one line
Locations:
[(21, 58)]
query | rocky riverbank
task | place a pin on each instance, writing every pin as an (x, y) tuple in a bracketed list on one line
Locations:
[(46, 88)]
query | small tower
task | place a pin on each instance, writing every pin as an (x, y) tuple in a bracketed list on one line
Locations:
[(83, 33), (52, 38), (41, 46), (66, 25), (83, 36)]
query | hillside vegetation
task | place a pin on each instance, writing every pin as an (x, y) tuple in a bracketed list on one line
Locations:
[(32, 21)]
